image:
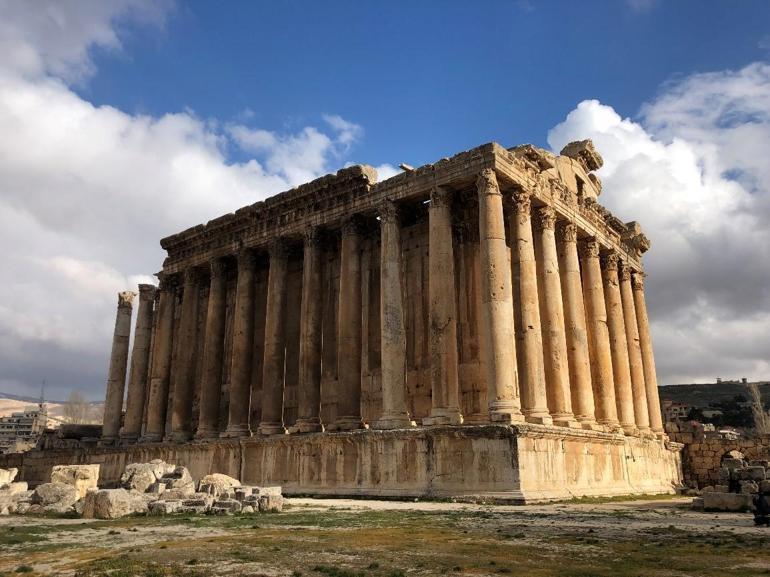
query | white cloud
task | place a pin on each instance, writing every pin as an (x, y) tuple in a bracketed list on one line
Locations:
[(692, 172), (86, 191)]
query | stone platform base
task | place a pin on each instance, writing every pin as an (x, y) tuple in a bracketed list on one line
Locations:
[(521, 464)]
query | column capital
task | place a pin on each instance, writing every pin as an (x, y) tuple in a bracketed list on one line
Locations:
[(166, 282), (610, 261), (218, 268), (247, 259), (440, 196), (278, 249), (522, 203), (624, 271), (147, 292), (353, 226), (637, 280), (191, 276), (546, 217), (313, 236), (125, 299), (389, 212), (568, 232), (589, 248), (486, 183)]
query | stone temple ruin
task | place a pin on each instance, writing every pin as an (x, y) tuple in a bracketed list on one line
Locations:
[(474, 327)]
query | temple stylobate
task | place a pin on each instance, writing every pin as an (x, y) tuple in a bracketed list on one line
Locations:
[(487, 292)]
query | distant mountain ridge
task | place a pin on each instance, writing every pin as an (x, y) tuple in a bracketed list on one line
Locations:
[(702, 395)]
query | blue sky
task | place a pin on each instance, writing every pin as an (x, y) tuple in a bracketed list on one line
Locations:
[(425, 79), (124, 121)]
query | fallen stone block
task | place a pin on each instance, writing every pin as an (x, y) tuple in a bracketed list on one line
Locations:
[(726, 501), (217, 484), (194, 510), (164, 507), (270, 503), (759, 463), (733, 463), (157, 488), (707, 489), (764, 486), (140, 476), (7, 476), (16, 488), (179, 480), (82, 477), (754, 473), (749, 487), (722, 488), (247, 509), (697, 504), (112, 504), (61, 494), (274, 490), (230, 504)]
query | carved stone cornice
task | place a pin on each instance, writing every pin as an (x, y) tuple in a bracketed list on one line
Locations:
[(568, 232), (125, 299), (546, 218), (589, 248)]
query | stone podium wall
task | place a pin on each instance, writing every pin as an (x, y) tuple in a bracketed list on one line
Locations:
[(523, 463)]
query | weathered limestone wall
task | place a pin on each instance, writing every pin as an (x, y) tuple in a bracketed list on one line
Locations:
[(520, 463), (702, 455)]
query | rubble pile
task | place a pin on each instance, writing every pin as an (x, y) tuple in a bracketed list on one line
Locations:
[(740, 482), (154, 488)]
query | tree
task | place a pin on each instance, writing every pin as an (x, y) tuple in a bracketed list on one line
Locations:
[(761, 417), (76, 409)]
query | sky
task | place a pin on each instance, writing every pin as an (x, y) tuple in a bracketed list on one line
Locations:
[(124, 121)]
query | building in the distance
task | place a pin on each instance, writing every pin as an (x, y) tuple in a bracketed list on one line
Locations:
[(20, 431)]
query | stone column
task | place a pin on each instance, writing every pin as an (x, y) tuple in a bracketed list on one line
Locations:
[(116, 379), (243, 343), (140, 362), (444, 369), (184, 367), (498, 347), (529, 339), (213, 352), (621, 372), (392, 331), (641, 411), (598, 337), (554, 337), (349, 329), (576, 332), (157, 399), (275, 349), (648, 359), (309, 420)]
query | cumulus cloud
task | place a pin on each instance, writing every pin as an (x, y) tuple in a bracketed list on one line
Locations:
[(87, 191), (690, 169)]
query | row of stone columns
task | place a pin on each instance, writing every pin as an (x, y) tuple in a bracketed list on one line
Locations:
[(572, 349), (581, 332)]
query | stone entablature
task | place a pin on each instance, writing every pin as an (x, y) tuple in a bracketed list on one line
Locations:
[(490, 287), (326, 201)]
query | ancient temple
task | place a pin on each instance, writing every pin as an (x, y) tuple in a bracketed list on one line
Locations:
[(482, 311)]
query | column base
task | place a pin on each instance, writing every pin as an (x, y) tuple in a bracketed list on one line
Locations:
[(504, 415), (630, 430), (309, 425), (179, 436), (107, 442), (205, 434), (129, 439), (475, 419), (235, 432), (590, 425), (395, 421), (151, 438), (272, 429), (349, 424), (443, 416), (567, 421), (612, 427), (538, 418)]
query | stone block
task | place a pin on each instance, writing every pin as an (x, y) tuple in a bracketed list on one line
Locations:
[(229, 504), (140, 476), (764, 486), (722, 488), (157, 488), (733, 463), (749, 487), (7, 476), (82, 477), (217, 484), (112, 504), (61, 494), (697, 504), (247, 509), (707, 489), (270, 503), (759, 463), (756, 473), (724, 474), (162, 507), (180, 480), (274, 490), (726, 501), (16, 488)]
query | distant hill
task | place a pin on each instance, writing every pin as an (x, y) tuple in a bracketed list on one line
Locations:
[(16, 403), (702, 395)]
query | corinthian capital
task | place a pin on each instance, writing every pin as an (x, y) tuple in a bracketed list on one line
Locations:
[(352, 226), (522, 202), (247, 259), (568, 232), (147, 292), (637, 280), (546, 218), (218, 268), (440, 197), (191, 276), (486, 183), (389, 212), (589, 248), (278, 249), (624, 272), (610, 261), (125, 299)]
